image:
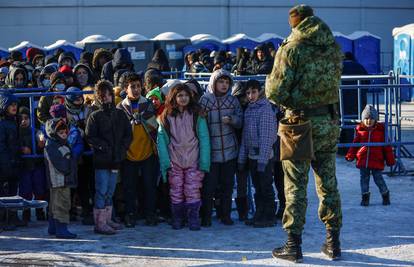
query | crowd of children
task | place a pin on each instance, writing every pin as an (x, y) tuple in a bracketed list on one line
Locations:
[(139, 148)]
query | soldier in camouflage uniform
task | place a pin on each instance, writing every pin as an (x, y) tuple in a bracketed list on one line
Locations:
[(305, 80)]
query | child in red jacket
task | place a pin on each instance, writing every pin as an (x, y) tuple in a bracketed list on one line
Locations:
[(370, 160)]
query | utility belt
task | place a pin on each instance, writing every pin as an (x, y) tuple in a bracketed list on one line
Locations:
[(331, 109)]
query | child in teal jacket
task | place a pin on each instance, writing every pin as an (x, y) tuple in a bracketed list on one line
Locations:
[(184, 151)]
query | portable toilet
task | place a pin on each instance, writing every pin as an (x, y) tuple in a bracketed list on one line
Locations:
[(367, 49), (4, 53), (140, 48), (240, 40), (66, 46), (270, 37), (204, 40), (23, 46), (404, 56), (93, 42), (173, 44), (344, 42)]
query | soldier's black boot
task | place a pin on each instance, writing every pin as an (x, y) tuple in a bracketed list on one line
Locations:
[(332, 245), (365, 199), (291, 251), (386, 199)]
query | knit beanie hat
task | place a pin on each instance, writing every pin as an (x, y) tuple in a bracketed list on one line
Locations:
[(57, 111), (6, 99), (24, 111), (157, 93), (369, 112), (72, 98)]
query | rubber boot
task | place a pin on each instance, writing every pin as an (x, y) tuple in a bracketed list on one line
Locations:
[(269, 218), (242, 208), (40, 215), (62, 231), (101, 227), (177, 213), (109, 221), (259, 213), (206, 212), (291, 251), (51, 229), (226, 211), (129, 220), (386, 198), (365, 199), (193, 218), (332, 245)]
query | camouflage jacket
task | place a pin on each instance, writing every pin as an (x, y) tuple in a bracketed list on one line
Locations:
[(307, 68)]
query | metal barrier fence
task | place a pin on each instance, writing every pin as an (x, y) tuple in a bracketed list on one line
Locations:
[(385, 92)]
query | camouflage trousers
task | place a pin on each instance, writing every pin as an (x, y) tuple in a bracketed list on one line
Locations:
[(325, 133)]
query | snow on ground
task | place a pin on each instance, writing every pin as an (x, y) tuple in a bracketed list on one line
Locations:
[(371, 236)]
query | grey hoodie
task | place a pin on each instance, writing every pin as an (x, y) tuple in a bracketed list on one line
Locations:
[(223, 139)]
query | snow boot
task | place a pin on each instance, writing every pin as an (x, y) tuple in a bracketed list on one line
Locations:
[(206, 212), (193, 212), (365, 199), (386, 198), (269, 216), (242, 208), (258, 215), (178, 213), (40, 215), (51, 229), (226, 211), (332, 245), (62, 231), (291, 251), (109, 221), (101, 227), (129, 220)]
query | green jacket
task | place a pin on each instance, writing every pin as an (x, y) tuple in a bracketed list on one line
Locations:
[(163, 140), (307, 68)]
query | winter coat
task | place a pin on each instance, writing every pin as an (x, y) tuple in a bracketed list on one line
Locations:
[(256, 66), (44, 105), (371, 157), (122, 60), (9, 148), (223, 138), (25, 136), (259, 133), (61, 166), (307, 68), (97, 54), (109, 133), (201, 132)]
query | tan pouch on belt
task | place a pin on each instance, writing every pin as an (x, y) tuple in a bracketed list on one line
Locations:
[(295, 139)]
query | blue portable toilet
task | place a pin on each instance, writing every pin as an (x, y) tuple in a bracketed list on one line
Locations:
[(4, 53), (204, 40), (240, 40), (66, 46), (404, 57), (173, 45), (140, 48), (23, 46), (270, 37), (343, 41), (367, 49)]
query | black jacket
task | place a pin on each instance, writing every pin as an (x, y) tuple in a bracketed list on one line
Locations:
[(109, 133), (122, 60)]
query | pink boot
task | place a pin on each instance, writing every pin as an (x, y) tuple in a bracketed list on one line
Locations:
[(114, 225), (101, 227)]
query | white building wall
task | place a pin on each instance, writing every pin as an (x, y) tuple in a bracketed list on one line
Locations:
[(45, 21)]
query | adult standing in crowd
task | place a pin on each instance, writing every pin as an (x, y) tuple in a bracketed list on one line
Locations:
[(305, 80)]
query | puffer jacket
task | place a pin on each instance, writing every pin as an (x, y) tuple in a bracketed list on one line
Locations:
[(223, 138), (109, 133), (307, 68), (372, 157)]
